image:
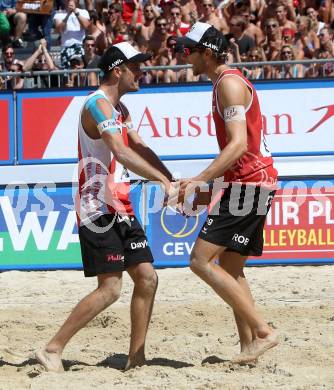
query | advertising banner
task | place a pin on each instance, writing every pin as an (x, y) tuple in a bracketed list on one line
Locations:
[(6, 129), (299, 228), (38, 227), (48, 126), (176, 121)]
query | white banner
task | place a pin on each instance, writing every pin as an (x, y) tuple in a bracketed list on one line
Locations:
[(178, 122)]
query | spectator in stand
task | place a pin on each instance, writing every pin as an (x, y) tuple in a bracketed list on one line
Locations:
[(237, 30), (42, 60), (4, 29), (315, 23), (256, 72), (97, 30), (306, 40), (189, 11), (43, 23), (72, 25), (288, 35), (270, 8), (251, 29), (16, 82), (288, 71), (162, 55), (323, 69), (114, 24), (158, 41), (326, 40), (91, 59), (182, 75), (128, 10), (8, 55), (143, 31), (273, 42), (282, 16), (76, 79), (165, 6), (17, 20), (289, 38), (122, 34), (176, 26), (325, 9), (257, 6), (209, 16)]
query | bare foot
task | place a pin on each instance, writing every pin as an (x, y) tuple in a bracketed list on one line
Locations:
[(51, 361), (135, 361), (261, 345), (245, 357), (257, 348)]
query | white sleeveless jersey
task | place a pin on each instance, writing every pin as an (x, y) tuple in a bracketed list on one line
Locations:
[(104, 183)]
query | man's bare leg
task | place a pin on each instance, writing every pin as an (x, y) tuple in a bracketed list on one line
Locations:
[(107, 292), (20, 21), (233, 263), (233, 294), (145, 286)]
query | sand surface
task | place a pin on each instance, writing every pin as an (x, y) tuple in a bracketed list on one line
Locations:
[(191, 337)]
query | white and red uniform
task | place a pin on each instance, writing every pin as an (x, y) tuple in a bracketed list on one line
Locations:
[(256, 165), (104, 183)]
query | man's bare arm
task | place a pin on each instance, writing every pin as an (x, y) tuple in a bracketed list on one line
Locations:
[(138, 145), (232, 92), (101, 116)]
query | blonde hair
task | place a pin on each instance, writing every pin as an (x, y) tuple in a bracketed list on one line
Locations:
[(293, 51)]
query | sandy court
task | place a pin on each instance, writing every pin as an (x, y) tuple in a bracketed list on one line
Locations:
[(191, 338)]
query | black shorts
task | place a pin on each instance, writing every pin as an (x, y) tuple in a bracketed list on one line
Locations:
[(113, 243), (237, 221)]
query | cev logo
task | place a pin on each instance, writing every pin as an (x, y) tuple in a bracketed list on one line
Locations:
[(189, 226)]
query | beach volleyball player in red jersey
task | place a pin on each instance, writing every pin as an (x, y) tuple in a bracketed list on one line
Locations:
[(234, 227)]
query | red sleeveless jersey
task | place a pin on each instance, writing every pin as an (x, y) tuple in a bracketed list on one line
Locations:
[(256, 165)]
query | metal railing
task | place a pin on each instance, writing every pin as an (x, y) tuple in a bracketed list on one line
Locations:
[(57, 78)]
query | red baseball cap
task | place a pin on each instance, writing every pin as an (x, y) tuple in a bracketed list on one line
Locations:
[(288, 31)]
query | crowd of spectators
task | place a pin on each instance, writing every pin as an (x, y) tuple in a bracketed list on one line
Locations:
[(257, 30)]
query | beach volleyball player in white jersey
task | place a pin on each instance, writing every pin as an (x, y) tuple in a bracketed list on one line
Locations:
[(111, 238)]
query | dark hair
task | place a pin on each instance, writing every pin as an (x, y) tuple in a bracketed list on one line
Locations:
[(159, 18), (176, 6), (88, 38), (6, 47), (239, 20), (93, 15), (116, 6)]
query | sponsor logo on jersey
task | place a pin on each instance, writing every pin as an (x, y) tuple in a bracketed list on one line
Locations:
[(139, 245), (240, 239), (111, 258)]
